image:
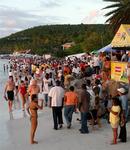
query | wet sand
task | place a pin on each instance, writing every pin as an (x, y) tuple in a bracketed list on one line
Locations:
[(3, 105)]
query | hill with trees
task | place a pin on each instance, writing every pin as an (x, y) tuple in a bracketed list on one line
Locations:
[(50, 38)]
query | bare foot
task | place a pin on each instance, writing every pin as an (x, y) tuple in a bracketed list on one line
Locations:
[(113, 143), (34, 142)]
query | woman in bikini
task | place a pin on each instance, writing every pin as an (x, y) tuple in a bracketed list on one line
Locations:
[(23, 94), (32, 111)]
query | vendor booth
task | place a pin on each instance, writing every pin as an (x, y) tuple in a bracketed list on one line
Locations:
[(121, 41)]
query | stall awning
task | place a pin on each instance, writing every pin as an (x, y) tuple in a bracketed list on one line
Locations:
[(122, 37), (107, 49)]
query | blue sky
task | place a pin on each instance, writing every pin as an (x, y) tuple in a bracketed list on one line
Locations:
[(16, 15)]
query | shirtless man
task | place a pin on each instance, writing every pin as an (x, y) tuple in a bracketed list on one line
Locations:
[(9, 90)]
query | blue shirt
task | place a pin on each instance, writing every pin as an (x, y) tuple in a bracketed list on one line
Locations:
[(129, 59), (124, 103)]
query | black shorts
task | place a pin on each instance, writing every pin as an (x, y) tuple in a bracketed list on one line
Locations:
[(10, 95)]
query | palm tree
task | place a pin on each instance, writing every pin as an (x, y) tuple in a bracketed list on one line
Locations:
[(120, 13)]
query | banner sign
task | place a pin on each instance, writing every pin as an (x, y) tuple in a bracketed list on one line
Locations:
[(119, 71)]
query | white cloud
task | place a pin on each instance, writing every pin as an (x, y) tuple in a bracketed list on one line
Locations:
[(50, 3), (12, 20), (22, 14)]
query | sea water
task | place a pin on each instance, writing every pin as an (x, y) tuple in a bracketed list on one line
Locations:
[(4, 116)]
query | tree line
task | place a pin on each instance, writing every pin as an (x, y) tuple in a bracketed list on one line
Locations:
[(50, 38)]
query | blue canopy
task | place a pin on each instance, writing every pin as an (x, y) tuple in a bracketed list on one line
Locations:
[(107, 48)]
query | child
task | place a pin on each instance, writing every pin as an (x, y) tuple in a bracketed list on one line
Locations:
[(32, 111), (114, 118), (94, 115)]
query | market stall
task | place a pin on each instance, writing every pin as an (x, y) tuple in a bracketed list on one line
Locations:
[(121, 41)]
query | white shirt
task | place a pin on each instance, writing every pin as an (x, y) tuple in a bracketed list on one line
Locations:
[(76, 70), (96, 61), (46, 86), (57, 95), (48, 70), (92, 95), (16, 83)]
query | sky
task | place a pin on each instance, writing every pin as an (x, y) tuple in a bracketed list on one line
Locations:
[(17, 15)]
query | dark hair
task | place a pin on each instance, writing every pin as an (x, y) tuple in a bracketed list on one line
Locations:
[(33, 97), (22, 81), (83, 86), (50, 75), (96, 90), (71, 88), (107, 58), (58, 83), (26, 79), (88, 82), (47, 76), (11, 77), (116, 101), (97, 82)]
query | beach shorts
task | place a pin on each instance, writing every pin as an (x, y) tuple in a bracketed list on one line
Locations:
[(10, 95)]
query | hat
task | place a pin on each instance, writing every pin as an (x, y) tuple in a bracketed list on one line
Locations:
[(121, 90)]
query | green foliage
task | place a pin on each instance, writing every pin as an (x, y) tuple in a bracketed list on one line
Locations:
[(73, 50), (91, 42), (119, 13), (50, 38)]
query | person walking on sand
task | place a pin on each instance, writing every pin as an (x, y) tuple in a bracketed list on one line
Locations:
[(46, 82), (123, 97), (32, 111), (115, 118), (84, 104), (17, 101), (23, 95), (4, 67), (56, 96), (9, 90), (70, 101), (33, 88)]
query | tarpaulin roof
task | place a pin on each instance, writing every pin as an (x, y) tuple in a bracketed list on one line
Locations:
[(107, 48)]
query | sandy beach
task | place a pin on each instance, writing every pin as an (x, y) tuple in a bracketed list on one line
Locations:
[(14, 135), (18, 136)]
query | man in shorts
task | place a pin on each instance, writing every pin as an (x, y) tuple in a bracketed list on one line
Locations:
[(9, 90)]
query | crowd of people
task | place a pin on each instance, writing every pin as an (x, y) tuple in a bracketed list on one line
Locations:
[(73, 85)]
